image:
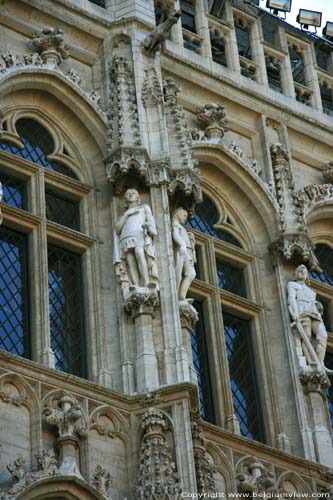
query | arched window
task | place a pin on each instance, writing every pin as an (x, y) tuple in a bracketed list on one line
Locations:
[(324, 254), (221, 275), (41, 231)]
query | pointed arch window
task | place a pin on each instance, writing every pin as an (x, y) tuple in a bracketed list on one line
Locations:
[(30, 164), (222, 267)]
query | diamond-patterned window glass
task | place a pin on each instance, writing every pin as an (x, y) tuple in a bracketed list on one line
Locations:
[(62, 210), (65, 309), (324, 255), (230, 278), (329, 393), (205, 218), (38, 144), (242, 377), (14, 324), (201, 366), (14, 191)]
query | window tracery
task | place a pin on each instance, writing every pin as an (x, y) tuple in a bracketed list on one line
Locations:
[(29, 168)]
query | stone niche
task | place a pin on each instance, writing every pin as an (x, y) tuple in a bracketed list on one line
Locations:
[(107, 447), (15, 428)]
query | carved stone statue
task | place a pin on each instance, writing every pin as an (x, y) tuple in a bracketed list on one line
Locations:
[(154, 40), (306, 313), (184, 247), (134, 241)]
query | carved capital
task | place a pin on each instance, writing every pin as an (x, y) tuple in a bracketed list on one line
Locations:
[(188, 314), (141, 301), (214, 117), (50, 44)]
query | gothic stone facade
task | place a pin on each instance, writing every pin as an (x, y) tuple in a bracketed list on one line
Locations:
[(100, 99)]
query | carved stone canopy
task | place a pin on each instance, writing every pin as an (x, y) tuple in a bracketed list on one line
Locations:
[(122, 162), (297, 248)]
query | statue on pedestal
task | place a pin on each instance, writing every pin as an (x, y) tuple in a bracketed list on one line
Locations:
[(134, 242), (184, 248), (306, 313)]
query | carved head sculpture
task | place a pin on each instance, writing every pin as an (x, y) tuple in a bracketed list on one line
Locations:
[(302, 274), (132, 197), (181, 215)]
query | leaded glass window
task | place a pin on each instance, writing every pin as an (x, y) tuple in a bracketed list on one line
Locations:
[(206, 216), (14, 191), (62, 210), (297, 66), (188, 15), (65, 309), (14, 302), (230, 278), (242, 376), (201, 365), (324, 255), (243, 40)]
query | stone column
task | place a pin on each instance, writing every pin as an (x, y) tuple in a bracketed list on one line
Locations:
[(141, 305)]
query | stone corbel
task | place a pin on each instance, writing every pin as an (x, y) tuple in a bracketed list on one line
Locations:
[(142, 301), (214, 118), (50, 44), (256, 478), (314, 379)]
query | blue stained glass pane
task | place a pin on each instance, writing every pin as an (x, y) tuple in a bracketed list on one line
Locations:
[(14, 334), (324, 255), (14, 191)]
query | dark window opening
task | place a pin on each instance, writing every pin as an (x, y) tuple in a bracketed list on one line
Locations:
[(243, 41), (215, 7), (269, 26), (201, 366), (230, 278), (14, 300), (323, 55), (62, 210), (101, 3), (243, 377), (273, 75), (297, 66), (218, 49), (326, 99), (324, 255), (65, 309), (206, 217), (188, 15), (38, 145), (14, 191)]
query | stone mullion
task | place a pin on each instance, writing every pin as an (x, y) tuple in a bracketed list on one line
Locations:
[(38, 272), (175, 355)]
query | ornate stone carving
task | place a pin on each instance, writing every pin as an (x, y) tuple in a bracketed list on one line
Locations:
[(74, 77), (69, 420), (188, 315), (327, 171), (101, 481), (256, 478), (184, 251), (135, 231), (235, 149), (204, 469), (150, 399), (315, 193), (294, 239), (306, 314), (157, 474), (50, 44), (122, 110), (155, 39), (151, 93), (124, 160), (314, 380), (142, 302), (188, 181), (47, 463), (214, 117)]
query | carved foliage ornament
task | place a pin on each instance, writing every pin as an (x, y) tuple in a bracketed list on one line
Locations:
[(50, 44), (214, 117), (101, 481), (256, 478), (151, 93), (157, 475), (204, 469)]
